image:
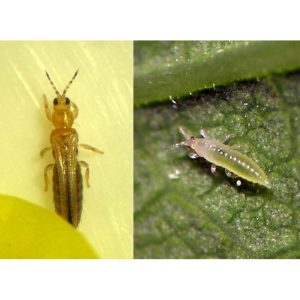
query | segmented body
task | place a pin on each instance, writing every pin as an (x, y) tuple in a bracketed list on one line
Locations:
[(67, 178), (224, 156), (232, 160)]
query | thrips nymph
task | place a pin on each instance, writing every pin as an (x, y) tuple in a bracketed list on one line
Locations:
[(67, 178), (224, 156)]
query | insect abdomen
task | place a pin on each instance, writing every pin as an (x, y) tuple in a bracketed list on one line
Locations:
[(236, 162), (67, 190)]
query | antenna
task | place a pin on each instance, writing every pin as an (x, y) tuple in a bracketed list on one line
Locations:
[(65, 90), (56, 91)]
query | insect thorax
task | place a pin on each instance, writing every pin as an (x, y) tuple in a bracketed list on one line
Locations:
[(63, 119), (199, 146)]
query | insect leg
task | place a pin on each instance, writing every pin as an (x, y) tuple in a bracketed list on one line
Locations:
[(87, 171), (203, 133), (228, 173), (226, 138), (88, 147), (75, 110), (174, 146), (47, 109), (46, 170), (193, 155), (213, 168), (43, 151)]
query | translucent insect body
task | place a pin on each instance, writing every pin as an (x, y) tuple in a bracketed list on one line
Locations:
[(224, 156)]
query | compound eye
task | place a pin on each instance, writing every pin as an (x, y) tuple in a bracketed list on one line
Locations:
[(67, 101), (55, 101)]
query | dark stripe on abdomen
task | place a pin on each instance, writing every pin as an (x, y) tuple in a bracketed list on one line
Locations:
[(68, 202)]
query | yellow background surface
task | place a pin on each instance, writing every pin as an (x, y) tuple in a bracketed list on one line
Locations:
[(30, 231), (103, 93)]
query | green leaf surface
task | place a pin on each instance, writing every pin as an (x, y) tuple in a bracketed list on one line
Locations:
[(173, 69), (184, 211)]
